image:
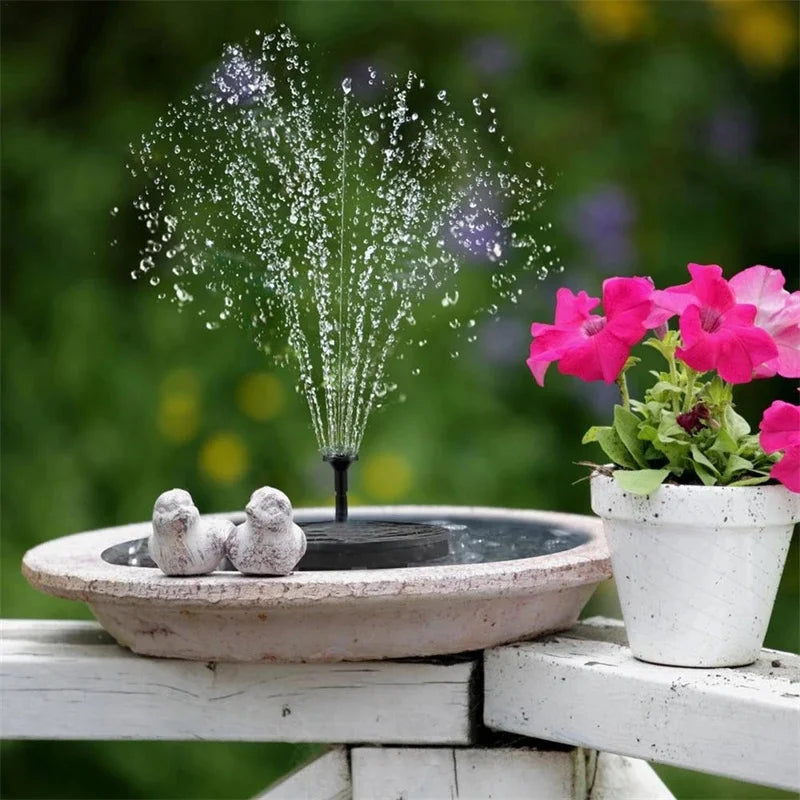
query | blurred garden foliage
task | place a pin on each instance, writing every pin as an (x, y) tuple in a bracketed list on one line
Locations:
[(669, 129)]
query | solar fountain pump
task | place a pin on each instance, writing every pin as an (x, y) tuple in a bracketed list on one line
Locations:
[(341, 463)]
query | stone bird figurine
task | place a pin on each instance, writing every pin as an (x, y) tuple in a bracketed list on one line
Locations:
[(182, 543), (267, 542)]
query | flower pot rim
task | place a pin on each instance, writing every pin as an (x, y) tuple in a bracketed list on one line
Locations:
[(697, 506), (597, 476)]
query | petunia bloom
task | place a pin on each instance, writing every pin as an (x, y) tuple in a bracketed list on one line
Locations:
[(780, 430), (717, 332), (590, 346), (780, 427), (787, 470), (675, 300), (778, 314)]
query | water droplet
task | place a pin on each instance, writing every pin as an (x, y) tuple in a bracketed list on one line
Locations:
[(450, 299)]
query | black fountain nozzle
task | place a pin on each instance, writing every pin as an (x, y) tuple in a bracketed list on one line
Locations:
[(341, 463)]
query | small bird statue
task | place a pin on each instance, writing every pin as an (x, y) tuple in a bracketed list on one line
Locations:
[(267, 542), (182, 543)]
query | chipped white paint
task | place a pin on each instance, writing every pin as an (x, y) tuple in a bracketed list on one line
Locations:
[(500, 773), (183, 543), (697, 567), (267, 542), (339, 615), (68, 680), (325, 777), (585, 688)]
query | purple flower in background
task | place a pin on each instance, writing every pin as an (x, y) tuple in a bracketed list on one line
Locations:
[(729, 131), (475, 231), (491, 55), (600, 397), (601, 220), (503, 341)]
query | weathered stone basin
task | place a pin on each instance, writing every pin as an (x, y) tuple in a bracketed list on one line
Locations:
[(517, 575)]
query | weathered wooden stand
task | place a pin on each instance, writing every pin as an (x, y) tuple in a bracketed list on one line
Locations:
[(566, 716)]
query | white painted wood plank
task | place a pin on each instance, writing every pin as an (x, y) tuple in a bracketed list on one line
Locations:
[(419, 773), (583, 687), (325, 777), (623, 778), (68, 680)]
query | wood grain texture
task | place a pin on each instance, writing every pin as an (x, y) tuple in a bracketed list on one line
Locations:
[(68, 680), (500, 773), (584, 688), (419, 773)]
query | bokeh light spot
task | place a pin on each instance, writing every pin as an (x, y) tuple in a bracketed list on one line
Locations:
[(178, 414), (614, 19), (764, 34), (261, 396), (386, 476), (224, 458)]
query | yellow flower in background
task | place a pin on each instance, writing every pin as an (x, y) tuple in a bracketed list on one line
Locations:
[(178, 413), (260, 395), (764, 34), (614, 19), (223, 458), (386, 476)]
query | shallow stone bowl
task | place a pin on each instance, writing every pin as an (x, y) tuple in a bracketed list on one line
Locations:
[(340, 615)]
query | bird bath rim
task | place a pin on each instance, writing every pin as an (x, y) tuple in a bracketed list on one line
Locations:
[(72, 567)]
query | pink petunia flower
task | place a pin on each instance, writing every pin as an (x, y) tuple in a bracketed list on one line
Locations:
[(717, 332), (780, 430), (778, 314), (780, 427), (787, 470), (590, 346), (675, 300)]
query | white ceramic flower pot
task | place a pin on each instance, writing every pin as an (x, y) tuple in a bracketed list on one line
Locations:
[(697, 568)]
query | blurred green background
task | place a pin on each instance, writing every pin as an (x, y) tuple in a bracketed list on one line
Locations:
[(670, 129)]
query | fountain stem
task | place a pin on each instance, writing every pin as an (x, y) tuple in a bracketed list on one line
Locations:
[(340, 463)]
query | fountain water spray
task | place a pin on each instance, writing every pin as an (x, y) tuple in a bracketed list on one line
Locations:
[(320, 218)]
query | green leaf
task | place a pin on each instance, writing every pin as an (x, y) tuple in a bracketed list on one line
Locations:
[(737, 464), (676, 453), (591, 434), (735, 423), (665, 386), (750, 481), (613, 447), (647, 433), (707, 477), (724, 443), (717, 391), (640, 481), (668, 428), (626, 424), (700, 458)]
